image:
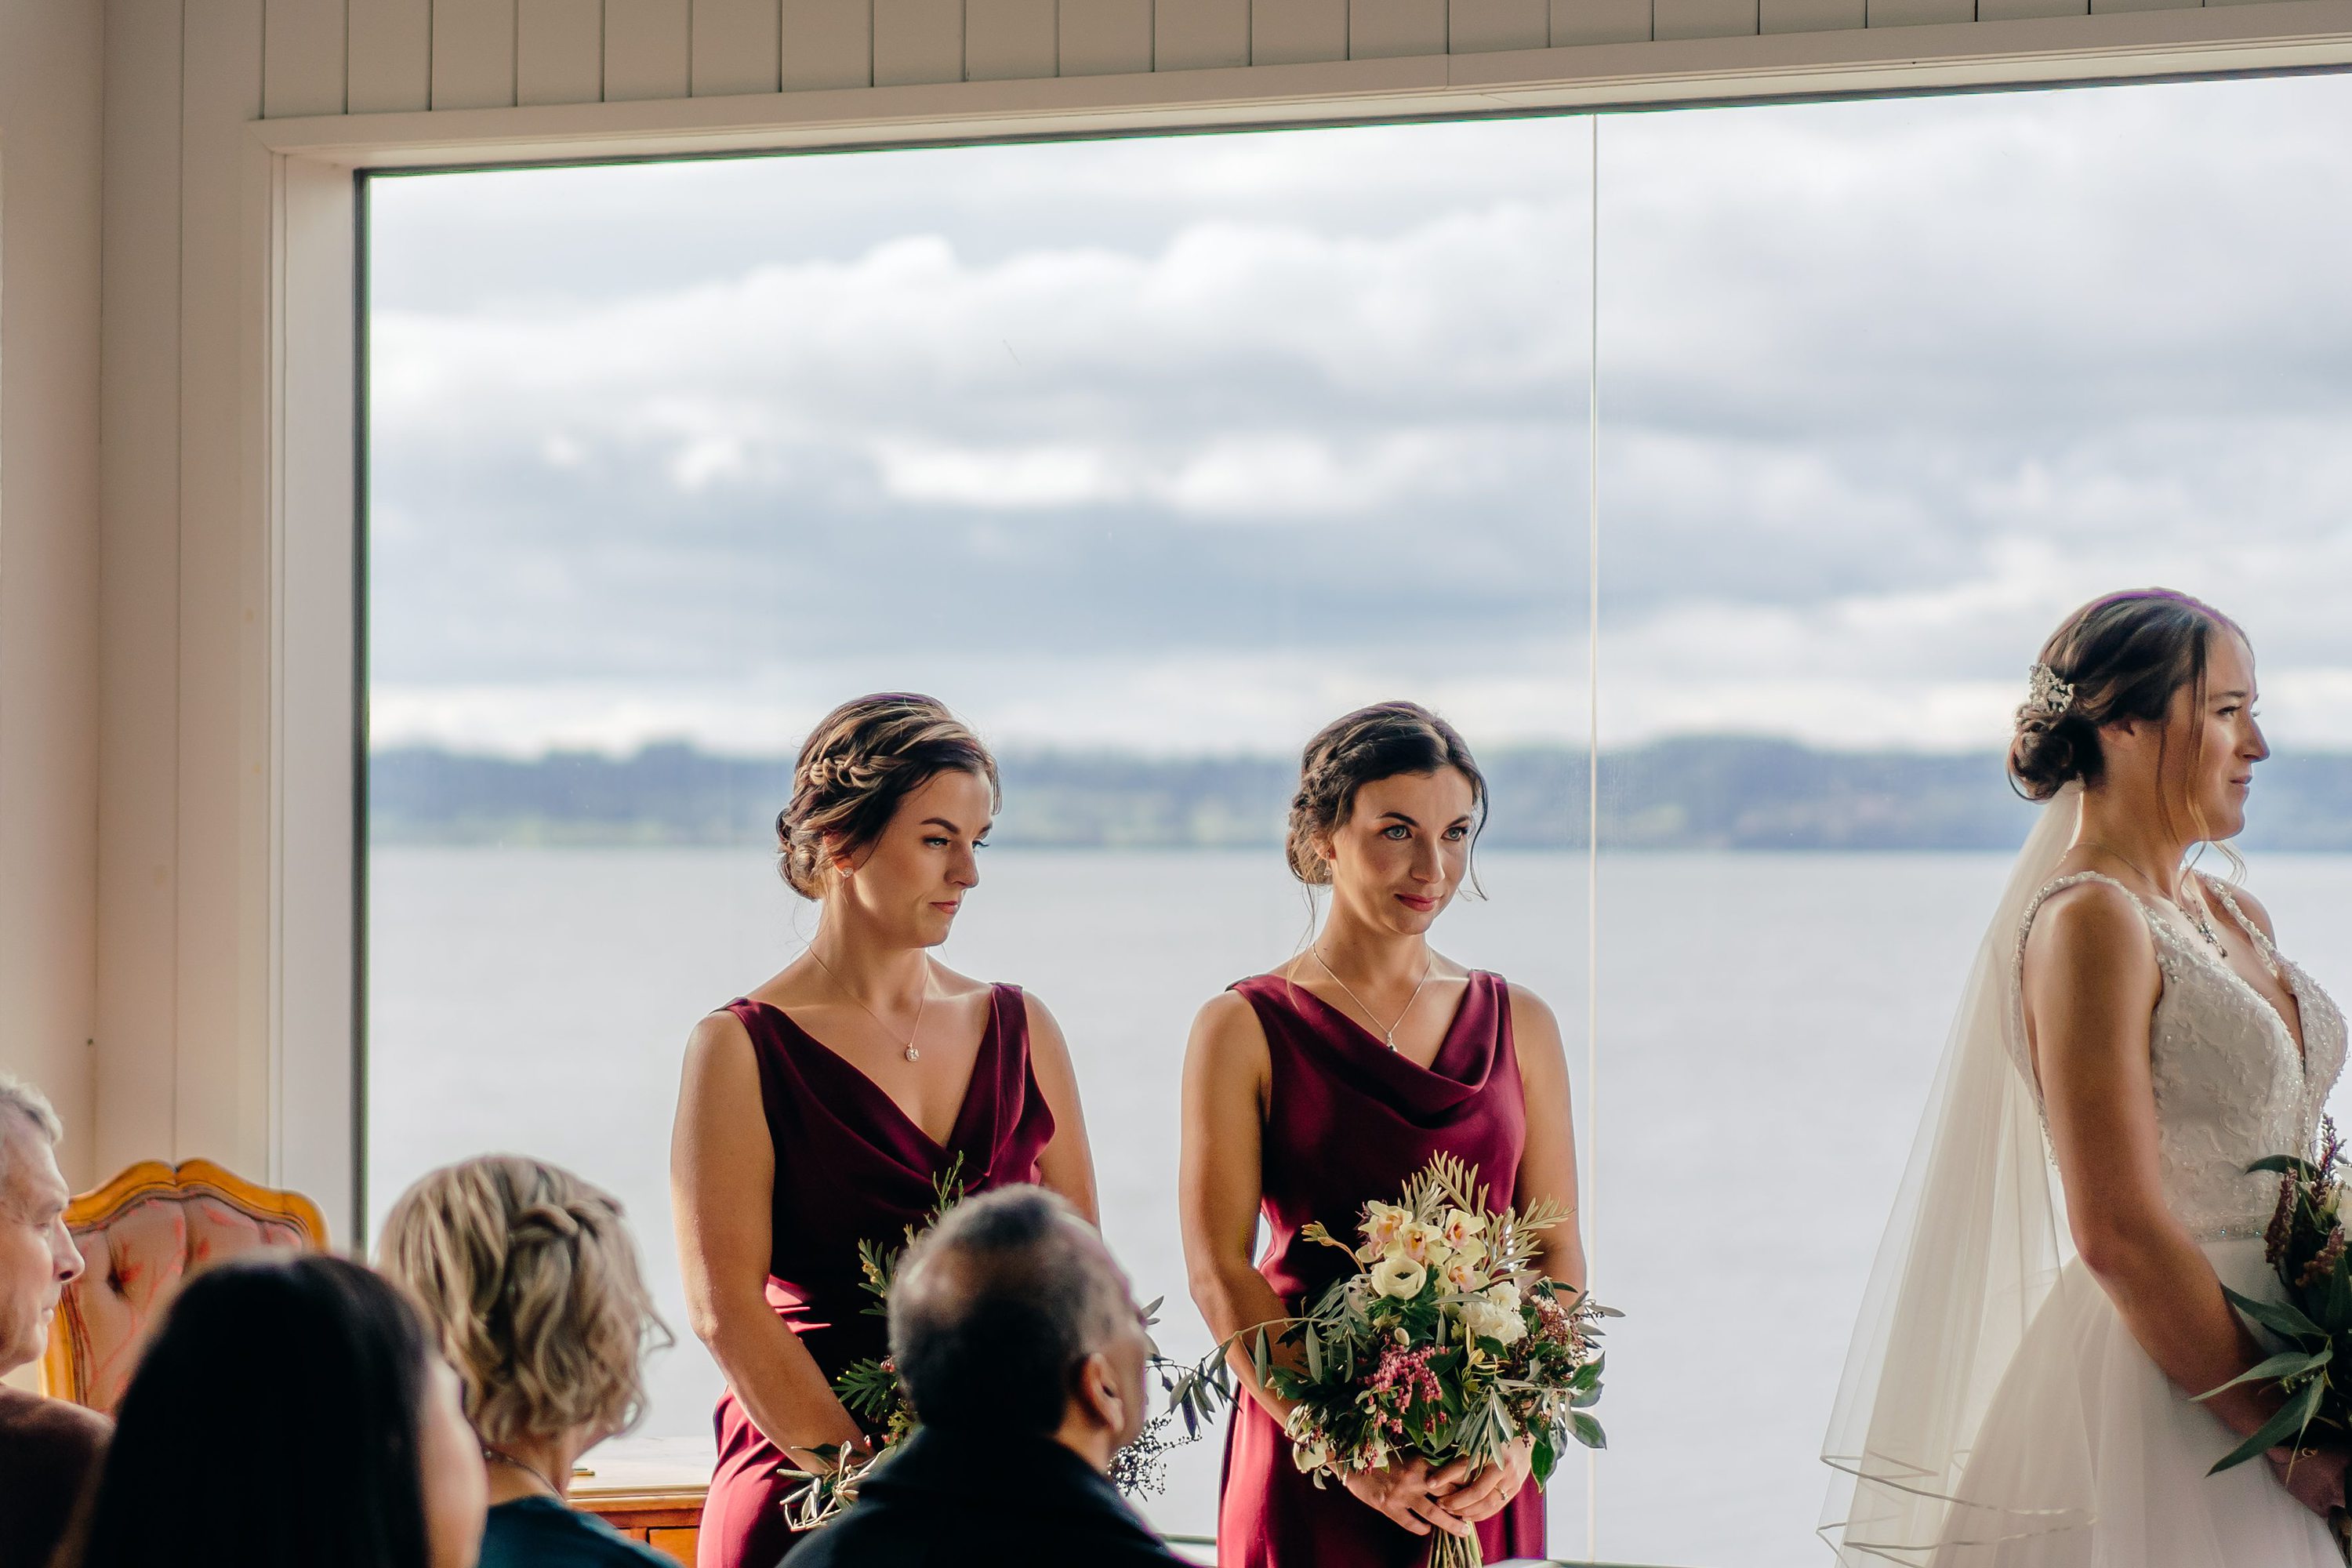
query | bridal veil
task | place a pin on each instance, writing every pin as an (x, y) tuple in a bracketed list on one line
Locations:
[(1975, 1247)]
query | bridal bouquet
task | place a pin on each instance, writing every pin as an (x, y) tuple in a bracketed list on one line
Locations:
[(870, 1391), (1444, 1341), (2307, 1245)]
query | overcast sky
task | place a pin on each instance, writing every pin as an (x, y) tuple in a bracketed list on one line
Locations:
[(1187, 444)]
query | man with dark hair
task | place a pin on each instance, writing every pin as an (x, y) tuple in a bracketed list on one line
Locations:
[(47, 1446), (1024, 1352)]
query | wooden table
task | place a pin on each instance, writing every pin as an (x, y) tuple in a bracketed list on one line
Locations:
[(655, 1504)]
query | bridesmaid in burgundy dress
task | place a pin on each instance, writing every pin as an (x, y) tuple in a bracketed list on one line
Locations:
[(817, 1112), (1333, 1079)]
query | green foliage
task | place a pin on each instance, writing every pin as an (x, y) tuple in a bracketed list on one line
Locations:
[(869, 1390), (879, 1260), (2311, 1323)]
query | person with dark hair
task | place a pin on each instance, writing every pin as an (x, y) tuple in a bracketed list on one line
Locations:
[(830, 1106), (290, 1412), (2044, 1378), (1331, 1082), (47, 1446), (1023, 1352)]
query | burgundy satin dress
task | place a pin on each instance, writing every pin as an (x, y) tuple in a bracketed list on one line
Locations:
[(851, 1166), (1348, 1120)]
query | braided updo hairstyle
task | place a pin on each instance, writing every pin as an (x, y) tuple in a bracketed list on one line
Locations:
[(528, 1278), (857, 766), (2125, 656), (1365, 747)]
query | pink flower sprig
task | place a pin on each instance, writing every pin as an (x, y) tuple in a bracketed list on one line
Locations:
[(1408, 1368)]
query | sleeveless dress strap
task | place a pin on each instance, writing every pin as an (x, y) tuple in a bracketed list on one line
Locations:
[(2264, 948), (2017, 1051)]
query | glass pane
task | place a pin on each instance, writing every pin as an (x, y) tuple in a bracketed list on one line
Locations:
[(1889, 388), (1148, 457)]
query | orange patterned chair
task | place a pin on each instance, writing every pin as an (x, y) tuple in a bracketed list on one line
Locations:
[(140, 1236)]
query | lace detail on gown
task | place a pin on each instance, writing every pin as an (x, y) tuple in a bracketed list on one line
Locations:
[(2230, 1088)]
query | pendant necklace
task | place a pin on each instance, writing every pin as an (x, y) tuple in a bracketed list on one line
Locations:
[(2194, 913), (907, 1047), (1387, 1033), (500, 1457)]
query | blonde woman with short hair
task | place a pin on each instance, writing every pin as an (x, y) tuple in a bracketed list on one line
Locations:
[(529, 1278)]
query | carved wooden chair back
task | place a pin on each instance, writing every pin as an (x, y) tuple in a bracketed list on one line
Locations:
[(140, 1236)]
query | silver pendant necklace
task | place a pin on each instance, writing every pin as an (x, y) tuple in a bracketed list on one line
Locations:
[(2194, 911), (1387, 1033), (2197, 917), (907, 1047)]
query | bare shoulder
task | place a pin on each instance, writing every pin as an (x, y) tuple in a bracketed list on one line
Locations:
[(1535, 1040), (2093, 926), (2218, 890), (1044, 1029), (1444, 968), (958, 985), (717, 1035), (1226, 1030), (719, 1093), (1531, 1014)]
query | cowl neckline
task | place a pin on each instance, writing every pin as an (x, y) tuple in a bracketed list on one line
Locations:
[(1465, 1057)]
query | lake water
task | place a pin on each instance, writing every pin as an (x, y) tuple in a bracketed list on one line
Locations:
[(1767, 1028)]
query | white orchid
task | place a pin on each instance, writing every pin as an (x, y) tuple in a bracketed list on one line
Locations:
[(1382, 1222), (1462, 1275), (1461, 1229)]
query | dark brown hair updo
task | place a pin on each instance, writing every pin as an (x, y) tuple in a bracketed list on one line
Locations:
[(857, 765), (1365, 747), (2124, 656)]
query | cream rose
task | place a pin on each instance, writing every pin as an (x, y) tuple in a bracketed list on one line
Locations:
[(1490, 1321)]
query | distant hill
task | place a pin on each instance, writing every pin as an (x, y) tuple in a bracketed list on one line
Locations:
[(1698, 793)]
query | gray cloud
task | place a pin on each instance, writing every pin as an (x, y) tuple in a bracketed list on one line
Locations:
[(1238, 425)]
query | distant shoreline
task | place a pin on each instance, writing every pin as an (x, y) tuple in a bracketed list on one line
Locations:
[(1700, 792)]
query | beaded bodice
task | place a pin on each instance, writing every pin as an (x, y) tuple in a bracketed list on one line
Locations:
[(2230, 1087)]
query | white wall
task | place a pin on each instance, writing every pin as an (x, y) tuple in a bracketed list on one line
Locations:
[(50, 162)]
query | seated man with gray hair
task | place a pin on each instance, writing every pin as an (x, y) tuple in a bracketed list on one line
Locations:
[(1024, 1353), (48, 1447)]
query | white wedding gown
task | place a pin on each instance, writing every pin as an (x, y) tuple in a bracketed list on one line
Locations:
[(2081, 1413)]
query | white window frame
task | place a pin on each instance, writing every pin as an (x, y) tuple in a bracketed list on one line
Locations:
[(299, 376)]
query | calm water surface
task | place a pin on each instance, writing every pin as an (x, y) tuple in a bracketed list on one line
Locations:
[(1767, 1028)]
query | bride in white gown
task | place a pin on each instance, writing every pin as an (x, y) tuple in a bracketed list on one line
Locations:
[(2047, 1297)]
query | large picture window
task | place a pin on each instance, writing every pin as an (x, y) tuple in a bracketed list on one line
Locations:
[(1148, 457)]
